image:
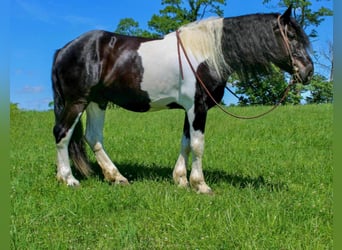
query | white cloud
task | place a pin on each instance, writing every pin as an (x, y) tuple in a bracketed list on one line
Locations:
[(32, 89), (48, 15), (35, 10), (74, 19)]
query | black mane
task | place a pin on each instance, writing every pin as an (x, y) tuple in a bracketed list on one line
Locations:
[(250, 45)]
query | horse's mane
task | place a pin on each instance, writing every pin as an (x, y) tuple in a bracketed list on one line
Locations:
[(247, 42), (251, 45), (203, 39)]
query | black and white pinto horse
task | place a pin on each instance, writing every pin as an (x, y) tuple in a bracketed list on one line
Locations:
[(143, 75)]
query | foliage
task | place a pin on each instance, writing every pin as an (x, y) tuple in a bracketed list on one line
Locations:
[(305, 15), (176, 14), (14, 107), (172, 16), (321, 90), (272, 177), (266, 90), (128, 26)]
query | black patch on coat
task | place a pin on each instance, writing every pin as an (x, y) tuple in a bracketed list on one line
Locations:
[(203, 102)]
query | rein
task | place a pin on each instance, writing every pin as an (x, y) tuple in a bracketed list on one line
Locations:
[(287, 45)]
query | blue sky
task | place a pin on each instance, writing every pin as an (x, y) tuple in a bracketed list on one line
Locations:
[(39, 27)]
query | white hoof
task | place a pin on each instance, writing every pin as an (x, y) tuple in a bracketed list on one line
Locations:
[(181, 181), (121, 181), (70, 181), (201, 188)]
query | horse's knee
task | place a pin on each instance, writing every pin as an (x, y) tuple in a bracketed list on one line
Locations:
[(197, 143)]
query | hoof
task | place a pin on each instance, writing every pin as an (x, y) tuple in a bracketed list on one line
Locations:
[(207, 192), (202, 188), (74, 184), (122, 182), (69, 181), (181, 182), (114, 177)]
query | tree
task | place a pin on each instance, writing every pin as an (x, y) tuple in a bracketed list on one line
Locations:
[(320, 89), (128, 26), (328, 55), (175, 14), (266, 90), (305, 15), (14, 107)]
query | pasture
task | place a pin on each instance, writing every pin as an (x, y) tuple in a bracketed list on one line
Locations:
[(272, 179)]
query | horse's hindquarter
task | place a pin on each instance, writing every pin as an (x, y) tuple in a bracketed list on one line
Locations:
[(161, 79)]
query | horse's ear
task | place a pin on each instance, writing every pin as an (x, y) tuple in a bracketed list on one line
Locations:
[(287, 14)]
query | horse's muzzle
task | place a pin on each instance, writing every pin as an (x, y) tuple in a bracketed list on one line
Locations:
[(304, 74)]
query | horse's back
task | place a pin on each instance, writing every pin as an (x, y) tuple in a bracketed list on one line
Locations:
[(96, 45)]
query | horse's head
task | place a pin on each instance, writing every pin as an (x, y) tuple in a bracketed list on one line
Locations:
[(295, 43)]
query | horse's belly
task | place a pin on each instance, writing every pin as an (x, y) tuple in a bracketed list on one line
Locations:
[(161, 93)]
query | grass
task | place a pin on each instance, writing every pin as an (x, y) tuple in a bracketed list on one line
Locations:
[(272, 179)]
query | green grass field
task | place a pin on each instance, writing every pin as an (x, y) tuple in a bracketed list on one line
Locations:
[(272, 179)]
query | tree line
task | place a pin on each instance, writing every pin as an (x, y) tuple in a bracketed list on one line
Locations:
[(264, 89)]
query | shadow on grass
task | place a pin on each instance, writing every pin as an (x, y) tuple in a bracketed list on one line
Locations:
[(137, 172)]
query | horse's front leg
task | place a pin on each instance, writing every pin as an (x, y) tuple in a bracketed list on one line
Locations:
[(94, 137), (197, 125), (179, 172)]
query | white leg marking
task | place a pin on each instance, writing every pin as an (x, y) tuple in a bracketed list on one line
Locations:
[(179, 172), (94, 137), (196, 176), (63, 164), (197, 181)]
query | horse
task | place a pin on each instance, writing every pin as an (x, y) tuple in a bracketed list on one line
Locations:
[(145, 74)]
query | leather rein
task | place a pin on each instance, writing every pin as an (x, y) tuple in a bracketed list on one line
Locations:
[(288, 48)]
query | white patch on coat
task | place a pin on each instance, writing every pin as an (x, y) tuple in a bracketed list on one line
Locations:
[(162, 80)]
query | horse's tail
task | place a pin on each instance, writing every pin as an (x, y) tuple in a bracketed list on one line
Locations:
[(77, 150)]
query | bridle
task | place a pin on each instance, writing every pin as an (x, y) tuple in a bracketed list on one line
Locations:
[(288, 48), (286, 91)]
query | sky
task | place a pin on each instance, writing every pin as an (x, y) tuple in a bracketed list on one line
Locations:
[(39, 27)]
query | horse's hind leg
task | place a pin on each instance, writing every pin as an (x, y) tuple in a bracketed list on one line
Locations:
[(63, 131), (94, 137)]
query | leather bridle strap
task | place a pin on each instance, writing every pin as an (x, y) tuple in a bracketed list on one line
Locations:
[(288, 48)]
